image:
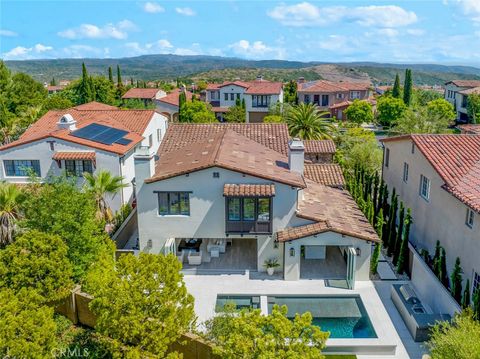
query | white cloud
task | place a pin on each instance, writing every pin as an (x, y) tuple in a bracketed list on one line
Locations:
[(153, 7), (161, 46), (307, 14), (7, 33), (23, 53), (117, 31), (256, 50), (416, 32), (185, 11), (42, 48), (388, 32), (470, 8)]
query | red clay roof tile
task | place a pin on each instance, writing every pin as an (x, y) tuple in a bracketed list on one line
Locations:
[(328, 174), (249, 190)]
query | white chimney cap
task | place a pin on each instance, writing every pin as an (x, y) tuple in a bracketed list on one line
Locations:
[(67, 118), (296, 144)]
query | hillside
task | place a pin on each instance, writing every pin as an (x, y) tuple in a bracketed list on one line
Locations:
[(170, 67)]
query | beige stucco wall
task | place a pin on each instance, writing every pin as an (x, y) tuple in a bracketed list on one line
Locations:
[(442, 217)]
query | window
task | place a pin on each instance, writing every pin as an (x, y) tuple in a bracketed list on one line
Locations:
[(248, 209), (21, 168), (424, 187), (150, 141), (263, 214), (234, 209), (159, 134), (260, 100), (475, 282), (216, 174), (174, 203), (324, 100), (226, 96), (405, 172), (232, 96), (306, 98), (470, 217), (464, 101), (354, 94), (387, 156), (77, 168), (413, 147), (340, 96)]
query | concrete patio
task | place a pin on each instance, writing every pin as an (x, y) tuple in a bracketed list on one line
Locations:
[(332, 267)]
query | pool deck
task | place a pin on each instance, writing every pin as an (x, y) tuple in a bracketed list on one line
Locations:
[(375, 297)]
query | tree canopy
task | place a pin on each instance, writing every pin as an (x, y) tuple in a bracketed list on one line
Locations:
[(422, 120), (473, 107), (359, 111), (306, 122), (389, 110), (196, 111), (236, 113)]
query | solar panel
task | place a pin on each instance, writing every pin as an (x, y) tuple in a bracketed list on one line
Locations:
[(100, 133), (123, 141)]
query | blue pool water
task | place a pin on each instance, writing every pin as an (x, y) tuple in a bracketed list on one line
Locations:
[(342, 316)]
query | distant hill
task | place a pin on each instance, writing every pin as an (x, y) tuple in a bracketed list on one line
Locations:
[(170, 67)]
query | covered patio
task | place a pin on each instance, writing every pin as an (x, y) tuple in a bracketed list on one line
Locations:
[(332, 266)]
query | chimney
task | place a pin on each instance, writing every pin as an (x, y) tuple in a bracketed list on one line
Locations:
[(296, 155), (259, 78), (301, 80), (67, 122), (144, 165)]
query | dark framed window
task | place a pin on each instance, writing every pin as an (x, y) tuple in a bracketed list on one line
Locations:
[(233, 209), (226, 96), (248, 215), (21, 168), (405, 172), (261, 100), (387, 157), (325, 100), (173, 203), (470, 218), (232, 96), (78, 167), (248, 209), (263, 212)]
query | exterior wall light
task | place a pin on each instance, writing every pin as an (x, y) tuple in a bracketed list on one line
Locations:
[(292, 252), (358, 251), (149, 243)]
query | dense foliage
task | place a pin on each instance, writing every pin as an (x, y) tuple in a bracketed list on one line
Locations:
[(389, 110), (359, 112), (473, 107), (197, 112), (307, 122)]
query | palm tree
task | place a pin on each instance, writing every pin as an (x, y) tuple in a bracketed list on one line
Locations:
[(99, 185), (11, 198), (307, 122)]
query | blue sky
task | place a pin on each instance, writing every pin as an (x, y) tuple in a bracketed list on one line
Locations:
[(402, 31)]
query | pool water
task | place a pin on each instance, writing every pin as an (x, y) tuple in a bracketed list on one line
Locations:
[(342, 316)]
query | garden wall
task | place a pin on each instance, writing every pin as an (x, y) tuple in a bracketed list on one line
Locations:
[(75, 307), (430, 290)]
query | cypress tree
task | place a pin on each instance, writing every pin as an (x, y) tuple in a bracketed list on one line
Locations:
[(393, 227), (391, 220), (396, 87), (120, 87), (436, 259), (119, 76), (466, 295), (243, 103), (408, 87), (375, 196), (402, 260), (93, 90), (476, 304), (456, 280), (110, 74), (443, 269), (85, 90), (238, 103), (131, 82), (398, 239), (182, 99), (53, 82), (378, 246)]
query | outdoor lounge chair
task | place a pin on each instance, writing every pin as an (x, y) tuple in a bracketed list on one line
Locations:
[(194, 258)]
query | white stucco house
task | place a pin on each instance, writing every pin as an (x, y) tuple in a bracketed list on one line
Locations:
[(438, 177), (227, 197), (456, 92), (258, 95), (81, 139)]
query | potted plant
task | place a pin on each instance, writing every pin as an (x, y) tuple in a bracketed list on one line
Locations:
[(271, 264)]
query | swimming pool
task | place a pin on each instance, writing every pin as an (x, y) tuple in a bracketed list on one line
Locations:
[(342, 316)]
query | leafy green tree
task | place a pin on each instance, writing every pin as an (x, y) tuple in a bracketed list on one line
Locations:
[(27, 327), (58, 207), (396, 91), (423, 97), (249, 334), (359, 111), (389, 110), (420, 121), (273, 119), (182, 100), (197, 112), (408, 87), (403, 259), (38, 261), (236, 114), (24, 92), (466, 295), (137, 104), (473, 107), (378, 246), (11, 198), (142, 303), (57, 101), (100, 185), (290, 92), (102, 90), (456, 280), (305, 121), (110, 74), (441, 109), (457, 339)]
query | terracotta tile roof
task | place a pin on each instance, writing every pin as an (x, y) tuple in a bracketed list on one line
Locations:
[(292, 233), (272, 135), (345, 103), (329, 86), (227, 149), (219, 109), (141, 93), (465, 83), (264, 88), (173, 97), (473, 90), (337, 209), (94, 106), (249, 190), (213, 86), (66, 155), (134, 121), (470, 129), (328, 174), (319, 146), (456, 158), (55, 88), (236, 83)]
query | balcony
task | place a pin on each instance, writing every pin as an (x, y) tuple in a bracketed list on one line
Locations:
[(252, 227)]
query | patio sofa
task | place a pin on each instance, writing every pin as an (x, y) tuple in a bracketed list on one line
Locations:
[(217, 244), (194, 258)]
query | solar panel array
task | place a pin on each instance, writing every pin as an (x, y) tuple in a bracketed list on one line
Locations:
[(102, 134)]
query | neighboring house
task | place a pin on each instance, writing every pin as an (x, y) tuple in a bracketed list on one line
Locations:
[(334, 97), (244, 194), (469, 129), (258, 95), (147, 95), (438, 177), (169, 104), (457, 91), (54, 89), (82, 139)]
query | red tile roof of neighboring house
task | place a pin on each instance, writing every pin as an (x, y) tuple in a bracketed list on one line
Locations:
[(94, 106), (456, 158), (329, 86), (249, 190), (319, 146), (213, 86), (328, 174), (70, 155), (342, 104), (470, 129), (473, 90), (219, 109), (173, 97), (257, 87), (134, 121), (465, 83), (141, 93), (235, 83), (55, 88)]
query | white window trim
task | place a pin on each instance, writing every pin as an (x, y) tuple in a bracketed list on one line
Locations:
[(470, 215), (427, 196)]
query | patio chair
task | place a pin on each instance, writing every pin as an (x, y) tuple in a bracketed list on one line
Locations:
[(194, 258)]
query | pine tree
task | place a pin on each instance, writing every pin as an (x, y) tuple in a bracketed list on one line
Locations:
[(403, 258), (408, 87), (396, 87), (398, 239), (466, 295), (436, 259), (110, 74), (456, 281), (378, 246), (443, 269)]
